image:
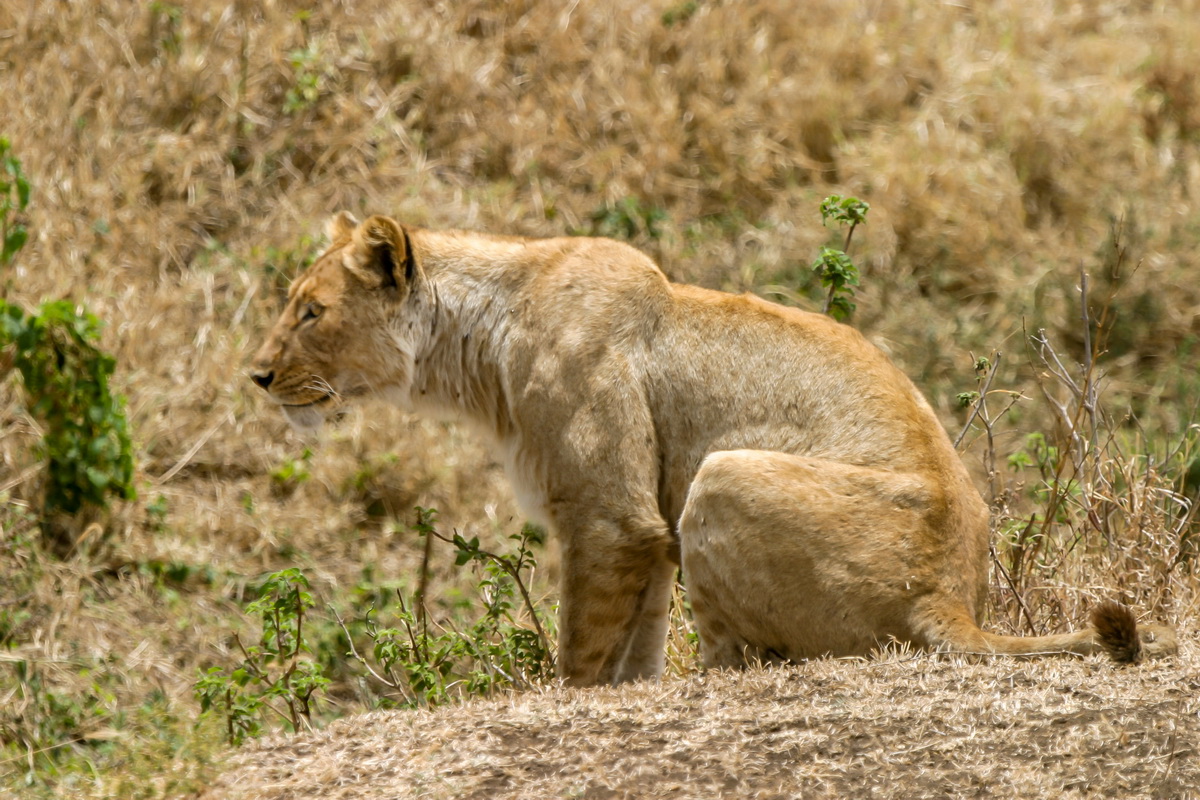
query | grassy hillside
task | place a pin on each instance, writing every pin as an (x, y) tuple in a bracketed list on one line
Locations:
[(183, 159)]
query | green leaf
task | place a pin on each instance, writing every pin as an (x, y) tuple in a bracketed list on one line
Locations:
[(841, 309), (847, 210), (13, 242), (99, 479)]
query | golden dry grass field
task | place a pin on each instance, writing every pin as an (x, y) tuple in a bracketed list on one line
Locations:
[(183, 158)]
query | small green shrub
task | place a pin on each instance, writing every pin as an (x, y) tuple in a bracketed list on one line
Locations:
[(413, 661), (290, 473), (837, 272), (86, 443), (627, 219), (502, 648), (680, 13), (22, 570), (14, 199), (166, 27), (311, 71), (275, 676), (49, 719)]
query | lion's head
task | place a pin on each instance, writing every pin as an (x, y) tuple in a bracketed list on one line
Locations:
[(350, 326)]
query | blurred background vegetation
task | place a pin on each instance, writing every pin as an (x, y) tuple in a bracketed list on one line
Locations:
[(182, 158)]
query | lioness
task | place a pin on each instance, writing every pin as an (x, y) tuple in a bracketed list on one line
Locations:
[(813, 498)]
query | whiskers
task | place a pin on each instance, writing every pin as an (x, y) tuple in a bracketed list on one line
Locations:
[(318, 384)]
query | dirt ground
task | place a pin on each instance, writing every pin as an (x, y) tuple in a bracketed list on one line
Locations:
[(905, 726)]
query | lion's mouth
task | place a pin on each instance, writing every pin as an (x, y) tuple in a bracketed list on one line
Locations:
[(313, 406), (312, 397), (322, 400)]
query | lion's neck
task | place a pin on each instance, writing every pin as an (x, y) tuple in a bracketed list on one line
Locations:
[(473, 284)]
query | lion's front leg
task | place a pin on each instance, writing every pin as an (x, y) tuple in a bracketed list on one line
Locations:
[(645, 652), (616, 586)]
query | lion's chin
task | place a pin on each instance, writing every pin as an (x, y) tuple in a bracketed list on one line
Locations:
[(305, 419)]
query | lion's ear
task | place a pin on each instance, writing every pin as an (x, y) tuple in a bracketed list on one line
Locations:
[(380, 254), (340, 226)]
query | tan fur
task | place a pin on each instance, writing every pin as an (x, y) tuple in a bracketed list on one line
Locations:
[(813, 497)]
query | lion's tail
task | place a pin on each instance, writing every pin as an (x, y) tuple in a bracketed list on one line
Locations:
[(1114, 630), (1117, 630)]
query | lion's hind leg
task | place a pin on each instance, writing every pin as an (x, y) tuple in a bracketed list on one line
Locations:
[(788, 557)]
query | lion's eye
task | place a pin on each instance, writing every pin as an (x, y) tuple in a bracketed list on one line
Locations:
[(311, 311)]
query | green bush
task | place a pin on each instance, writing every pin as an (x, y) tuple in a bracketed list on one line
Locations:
[(86, 443), (506, 646), (275, 675), (411, 660)]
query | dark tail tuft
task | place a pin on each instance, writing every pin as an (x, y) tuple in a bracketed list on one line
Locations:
[(1117, 629)]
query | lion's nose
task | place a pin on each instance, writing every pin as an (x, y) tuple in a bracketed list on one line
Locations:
[(262, 377)]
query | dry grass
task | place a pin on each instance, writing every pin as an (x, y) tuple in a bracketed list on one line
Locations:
[(180, 173), (902, 726)]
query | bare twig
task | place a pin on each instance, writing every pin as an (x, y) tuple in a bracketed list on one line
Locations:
[(259, 673), (849, 236), (1012, 584), (195, 448), (422, 588), (983, 391), (418, 650)]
